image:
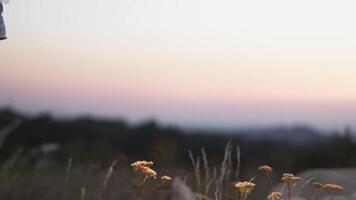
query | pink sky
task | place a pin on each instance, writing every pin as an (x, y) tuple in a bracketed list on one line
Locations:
[(221, 63)]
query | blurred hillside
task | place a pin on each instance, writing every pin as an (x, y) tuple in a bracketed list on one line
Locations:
[(39, 141)]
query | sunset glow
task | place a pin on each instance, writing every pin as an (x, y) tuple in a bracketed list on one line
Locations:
[(200, 63)]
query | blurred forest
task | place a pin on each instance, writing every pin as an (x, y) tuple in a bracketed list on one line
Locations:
[(41, 141)]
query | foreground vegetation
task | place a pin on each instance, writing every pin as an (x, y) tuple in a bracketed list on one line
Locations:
[(143, 181)]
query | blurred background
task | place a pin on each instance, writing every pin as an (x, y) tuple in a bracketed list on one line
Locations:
[(96, 81)]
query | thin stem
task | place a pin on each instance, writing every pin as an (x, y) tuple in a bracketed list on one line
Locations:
[(289, 195), (138, 189), (159, 186), (315, 194), (269, 179), (242, 197), (332, 196)]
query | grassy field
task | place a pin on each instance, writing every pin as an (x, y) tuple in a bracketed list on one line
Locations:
[(144, 180)]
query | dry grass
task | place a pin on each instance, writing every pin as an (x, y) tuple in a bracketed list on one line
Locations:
[(220, 182), (229, 187)]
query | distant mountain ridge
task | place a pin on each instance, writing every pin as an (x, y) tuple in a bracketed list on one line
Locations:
[(298, 134), (292, 135)]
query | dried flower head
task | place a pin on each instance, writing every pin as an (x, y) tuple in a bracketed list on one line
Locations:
[(274, 196), (244, 188), (288, 177), (333, 187), (265, 169), (166, 178), (296, 178), (318, 185), (144, 171), (148, 172), (138, 165)]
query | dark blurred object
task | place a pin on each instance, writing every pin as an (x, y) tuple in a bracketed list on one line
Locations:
[(2, 25)]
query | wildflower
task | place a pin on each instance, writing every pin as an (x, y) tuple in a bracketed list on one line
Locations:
[(166, 178), (274, 196), (317, 185), (144, 171), (138, 165), (287, 177), (148, 172), (333, 187), (265, 169), (245, 188)]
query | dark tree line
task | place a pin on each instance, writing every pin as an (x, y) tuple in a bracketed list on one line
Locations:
[(89, 140)]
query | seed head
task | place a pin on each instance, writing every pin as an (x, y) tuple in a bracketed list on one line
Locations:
[(318, 185), (244, 186), (143, 169), (265, 169), (166, 178), (333, 187), (148, 172), (138, 165), (274, 196), (288, 177), (288, 174)]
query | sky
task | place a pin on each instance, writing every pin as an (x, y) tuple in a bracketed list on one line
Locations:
[(193, 63)]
